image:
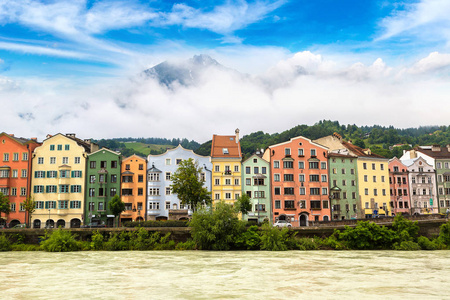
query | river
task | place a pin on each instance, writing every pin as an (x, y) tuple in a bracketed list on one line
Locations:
[(226, 275)]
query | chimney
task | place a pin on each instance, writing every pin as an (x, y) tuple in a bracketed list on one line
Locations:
[(11, 134), (87, 141), (237, 135), (448, 147), (72, 135), (412, 154), (436, 148), (34, 139)]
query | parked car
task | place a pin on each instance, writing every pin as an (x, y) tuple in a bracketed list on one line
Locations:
[(20, 226), (282, 223)]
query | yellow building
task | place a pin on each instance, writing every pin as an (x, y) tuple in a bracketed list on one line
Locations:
[(226, 160), (58, 181), (373, 184)]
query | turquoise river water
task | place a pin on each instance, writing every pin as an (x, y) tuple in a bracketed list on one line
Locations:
[(226, 275)]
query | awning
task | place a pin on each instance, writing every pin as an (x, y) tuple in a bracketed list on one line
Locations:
[(110, 216)]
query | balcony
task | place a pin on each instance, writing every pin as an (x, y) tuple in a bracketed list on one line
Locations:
[(227, 172)]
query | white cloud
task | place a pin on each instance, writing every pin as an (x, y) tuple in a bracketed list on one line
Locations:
[(432, 63), (224, 100), (223, 19), (427, 19)]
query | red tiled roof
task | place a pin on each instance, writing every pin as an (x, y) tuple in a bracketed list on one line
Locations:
[(444, 153), (359, 151), (221, 143)]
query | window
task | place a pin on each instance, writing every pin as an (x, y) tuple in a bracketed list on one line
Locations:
[(287, 151), (77, 160), (259, 194), (112, 192), (325, 204), (227, 195), (168, 191), (50, 189), (24, 155), (59, 147), (277, 191), (353, 196), (127, 178), (203, 176), (365, 166), (141, 166), (15, 173), (40, 160), (315, 204), (276, 177), (102, 164), (247, 170), (52, 160), (153, 191), (63, 204), (227, 181), (301, 165), (344, 195), (38, 188), (323, 165), (217, 181), (314, 178), (236, 168), (313, 152), (66, 147), (381, 167), (352, 171), (141, 191), (168, 175), (302, 204), (217, 168), (260, 207), (5, 174), (344, 182), (5, 156), (63, 188), (50, 204), (382, 178), (343, 171), (92, 164), (236, 181), (366, 191), (314, 191), (23, 191), (277, 204), (168, 161), (375, 192), (288, 164), (373, 167), (75, 188), (113, 164), (4, 191), (301, 177), (374, 178), (140, 178), (75, 204), (101, 206), (353, 182), (276, 164), (64, 174), (313, 165), (302, 191), (15, 156), (127, 167), (300, 152), (289, 204), (248, 181), (289, 191), (288, 177), (256, 170), (13, 191), (217, 196), (365, 178), (263, 170)]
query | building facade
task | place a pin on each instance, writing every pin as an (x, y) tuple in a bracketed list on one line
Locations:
[(299, 181), (422, 180), (103, 183), (399, 187), (344, 193), (256, 184), (166, 205), (15, 175), (226, 160), (59, 181), (133, 188)]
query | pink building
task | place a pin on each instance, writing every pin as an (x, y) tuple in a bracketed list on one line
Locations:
[(399, 186)]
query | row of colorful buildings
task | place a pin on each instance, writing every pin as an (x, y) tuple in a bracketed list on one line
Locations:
[(72, 181)]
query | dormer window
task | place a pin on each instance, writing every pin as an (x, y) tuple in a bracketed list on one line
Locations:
[(225, 151)]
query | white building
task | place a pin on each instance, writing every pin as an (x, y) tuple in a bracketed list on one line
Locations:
[(160, 169)]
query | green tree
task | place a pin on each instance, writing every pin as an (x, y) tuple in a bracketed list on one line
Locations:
[(30, 206), (188, 185), (5, 206), (243, 205), (117, 206)]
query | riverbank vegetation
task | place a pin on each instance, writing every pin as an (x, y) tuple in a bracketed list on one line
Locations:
[(221, 229)]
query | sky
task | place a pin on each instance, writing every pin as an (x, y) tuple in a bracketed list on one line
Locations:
[(77, 66)]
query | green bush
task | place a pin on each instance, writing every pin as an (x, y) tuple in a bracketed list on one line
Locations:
[(216, 229), (307, 244), (405, 230), (249, 239), (333, 242), (367, 236), (5, 243), (60, 241), (407, 246), (426, 244), (274, 239), (444, 234), (97, 241), (117, 242), (25, 247), (188, 245)]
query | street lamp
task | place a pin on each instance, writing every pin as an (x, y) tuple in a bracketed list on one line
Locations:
[(48, 225)]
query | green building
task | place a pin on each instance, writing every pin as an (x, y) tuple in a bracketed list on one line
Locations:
[(343, 180), (256, 184), (103, 183)]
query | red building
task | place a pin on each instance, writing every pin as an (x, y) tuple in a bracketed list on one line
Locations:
[(299, 180), (15, 174), (399, 187)]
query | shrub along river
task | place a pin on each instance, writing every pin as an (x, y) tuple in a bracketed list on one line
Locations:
[(225, 275)]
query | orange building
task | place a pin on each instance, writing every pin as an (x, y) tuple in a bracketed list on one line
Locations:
[(133, 188), (15, 174), (299, 180)]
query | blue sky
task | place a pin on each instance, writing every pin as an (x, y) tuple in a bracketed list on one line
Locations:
[(87, 54)]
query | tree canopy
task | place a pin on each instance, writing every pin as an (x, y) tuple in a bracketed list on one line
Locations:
[(5, 206), (188, 185), (116, 205)]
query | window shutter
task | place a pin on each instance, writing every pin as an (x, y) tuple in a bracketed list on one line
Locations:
[(46, 204)]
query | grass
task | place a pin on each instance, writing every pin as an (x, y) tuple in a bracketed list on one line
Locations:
[(145, 148)]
